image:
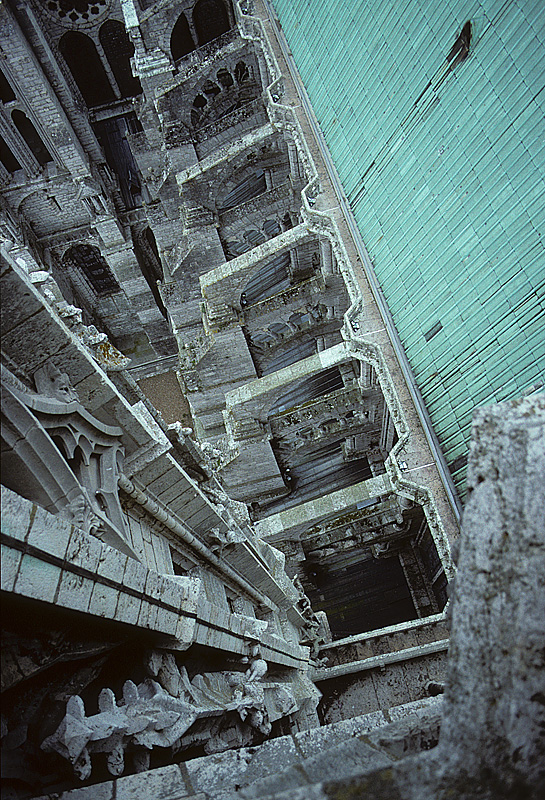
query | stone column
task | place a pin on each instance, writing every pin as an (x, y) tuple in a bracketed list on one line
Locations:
[(295, 170), (327, 257)]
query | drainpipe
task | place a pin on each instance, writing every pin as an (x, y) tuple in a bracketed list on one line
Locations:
[(170, 522)]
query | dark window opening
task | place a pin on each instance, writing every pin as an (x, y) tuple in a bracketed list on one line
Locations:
[(211, 89), (133, 124), (152, 242), (149, 261), (7, 158), (181, 41), (242, 73), (200, 101), (6, 92), (119, 49), (31, 137), (211, 20), (88, 260), (460, 48), (225, 78), (87, 69), (112, 135)]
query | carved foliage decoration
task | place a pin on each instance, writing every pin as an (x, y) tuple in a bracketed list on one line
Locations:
[(189, 713)]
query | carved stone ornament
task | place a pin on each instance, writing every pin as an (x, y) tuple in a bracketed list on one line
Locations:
[(71, 464), (192, 712), (315, 629), (103, 351), (51, 382)]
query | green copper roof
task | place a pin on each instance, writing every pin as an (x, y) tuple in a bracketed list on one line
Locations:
[(444, 170)]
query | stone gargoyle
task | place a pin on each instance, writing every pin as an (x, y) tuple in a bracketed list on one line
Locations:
[(148, 716)]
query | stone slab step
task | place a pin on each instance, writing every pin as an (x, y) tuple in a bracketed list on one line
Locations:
[(368, 742), (346, 760)]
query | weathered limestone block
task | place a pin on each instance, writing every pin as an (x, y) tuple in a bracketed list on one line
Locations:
[(494, 699)]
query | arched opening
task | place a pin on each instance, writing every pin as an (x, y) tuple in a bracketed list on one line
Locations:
[(87, 69), (199, 104), (31, 137), (6, 92), (181, 41), (149, 261), (152, 242), (242, 73), (119, 49), (211, 20), (216, 100), (225, 78), (88, 260), (112, 135), (7, 158), (211, 89), (58, 441)]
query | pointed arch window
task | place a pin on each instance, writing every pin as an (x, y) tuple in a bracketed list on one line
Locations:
[(181, 41), (119, 49), (31, 137), (87, 69), (211, 20), (149, 260)]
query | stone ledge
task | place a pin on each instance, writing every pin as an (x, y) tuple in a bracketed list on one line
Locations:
[(380, 661), (47, 559)]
